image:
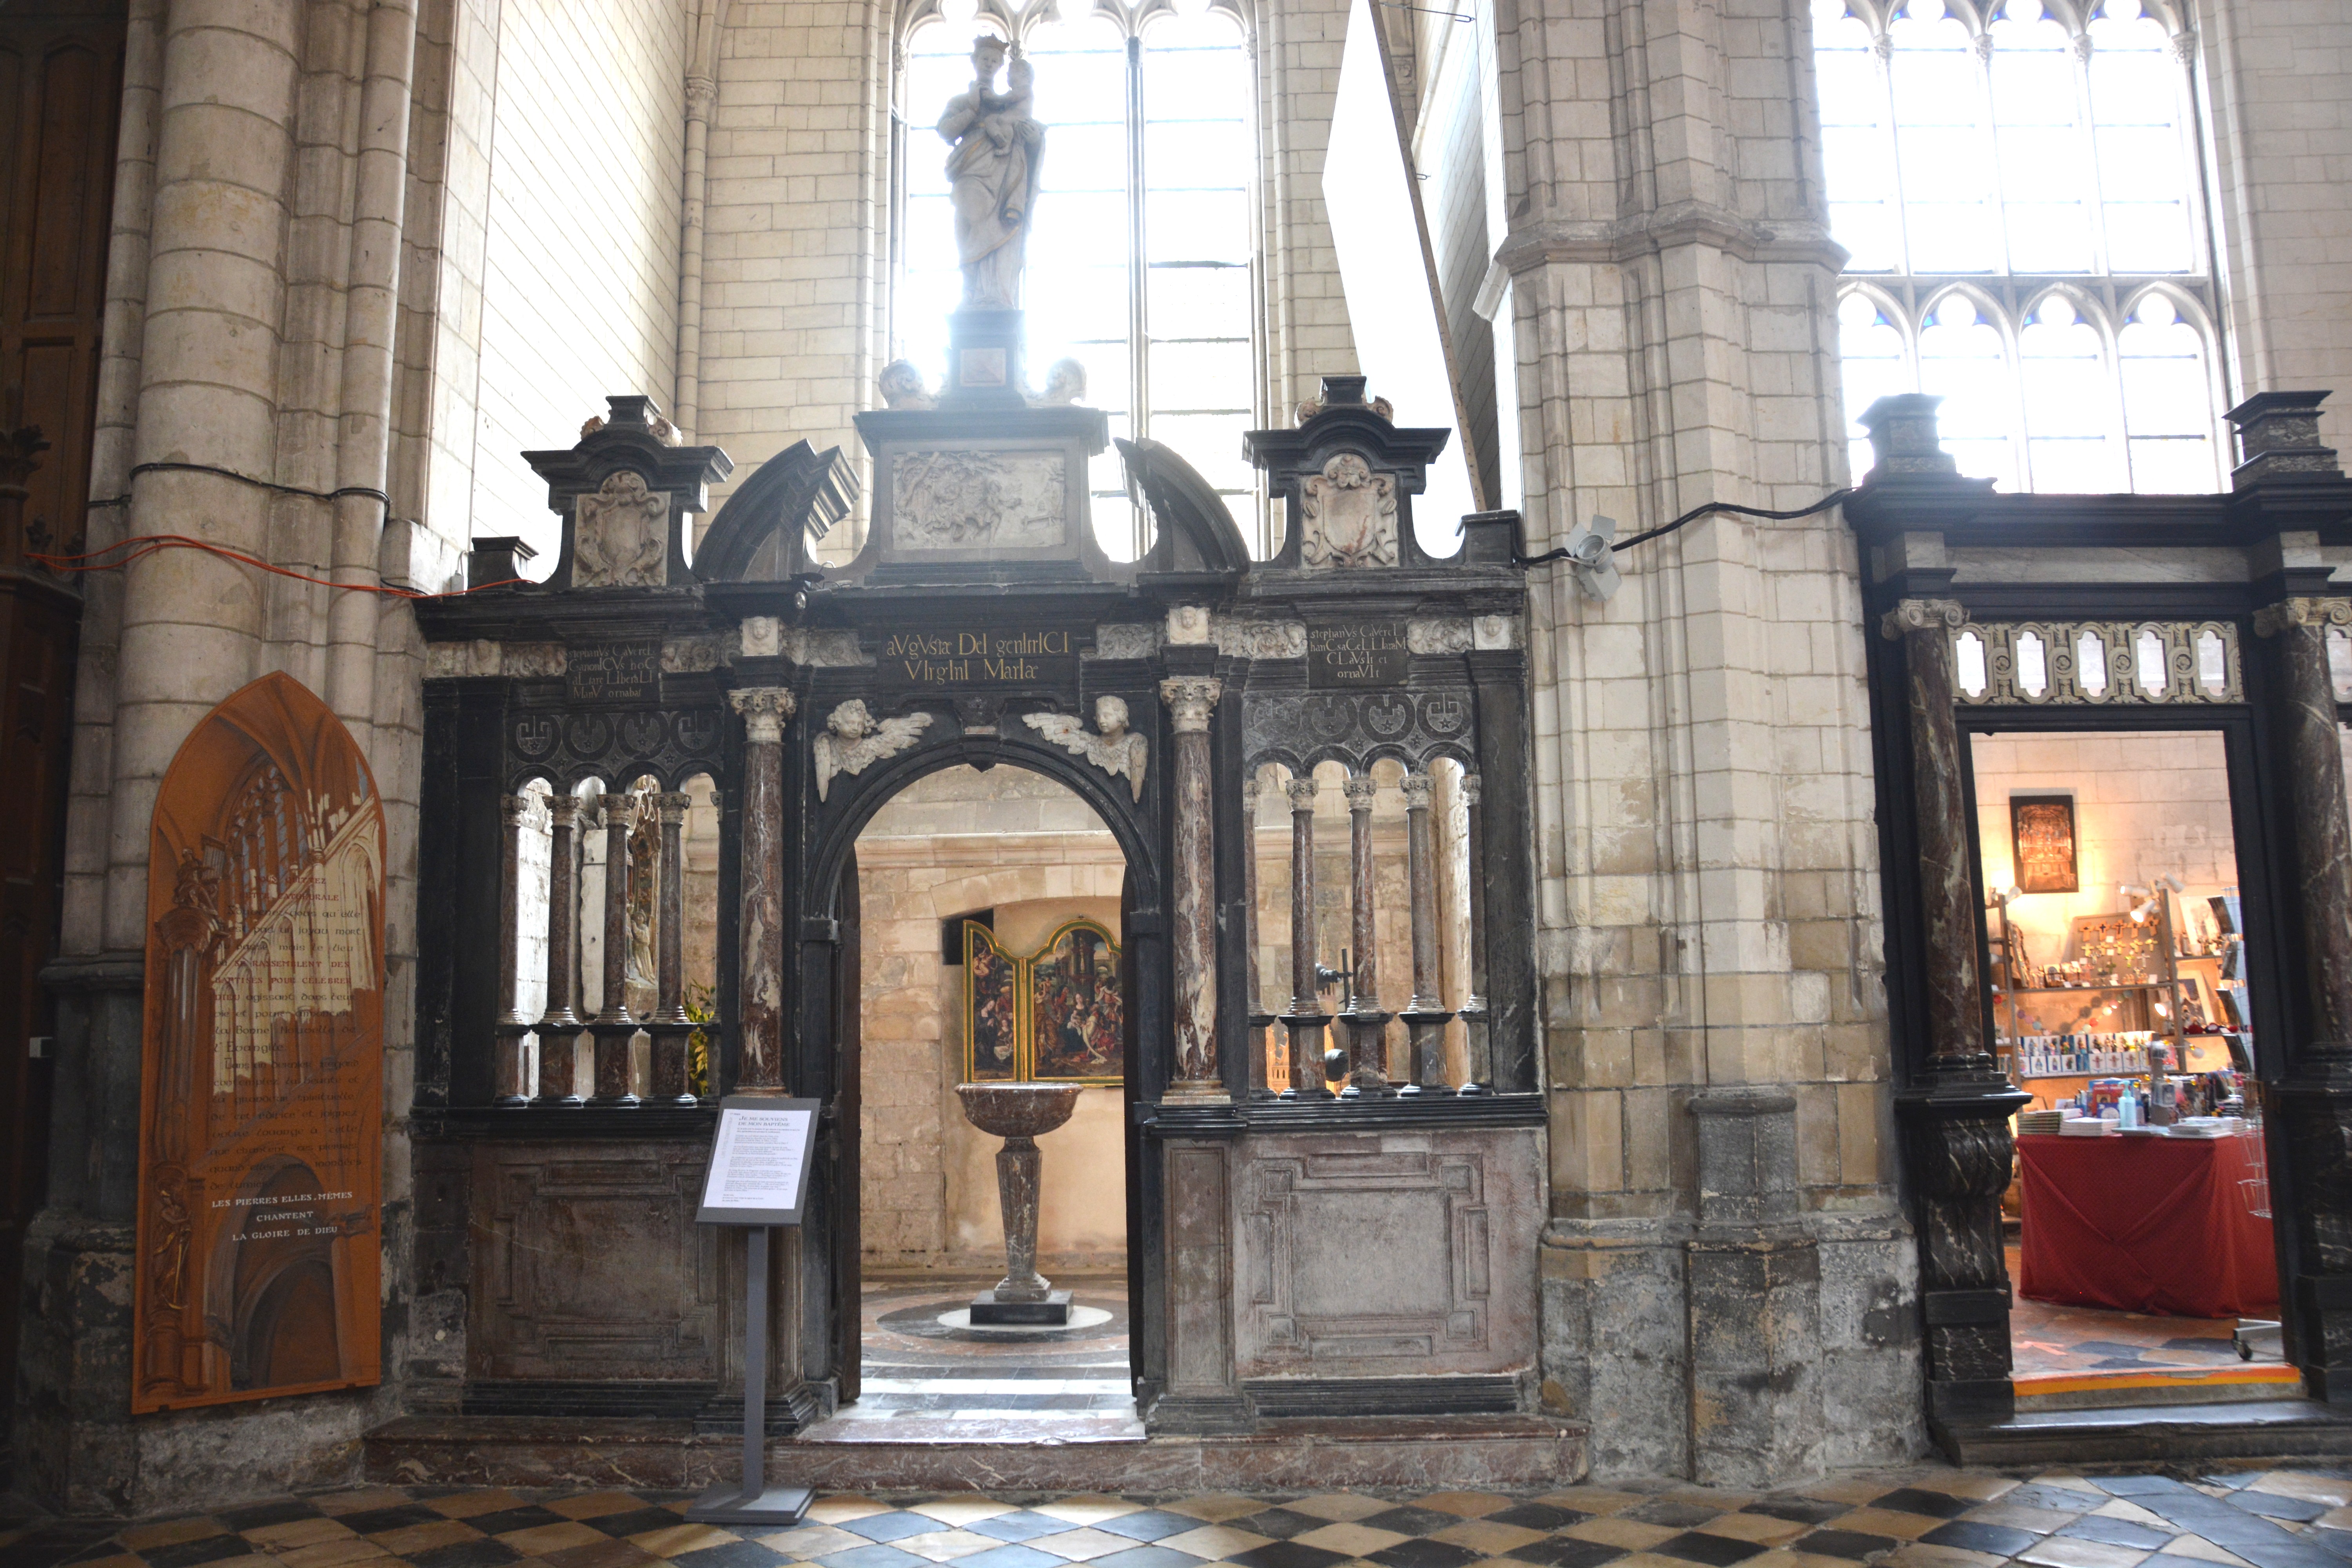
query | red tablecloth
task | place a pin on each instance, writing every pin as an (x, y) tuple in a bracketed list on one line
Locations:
[(2146, 1225)]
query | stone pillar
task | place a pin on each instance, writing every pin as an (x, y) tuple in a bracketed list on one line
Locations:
[(615, 1025), (1366, 1023), (1425, 1015), (1190, 700), (1948, 895), (559, 1026), (1304, 1020), (1474, 1007), (760, 1062), (512, 1028), (1252, 787), (669, 1026)]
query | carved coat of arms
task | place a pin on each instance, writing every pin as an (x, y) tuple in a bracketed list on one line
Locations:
[(620, 535), (1350, 515)]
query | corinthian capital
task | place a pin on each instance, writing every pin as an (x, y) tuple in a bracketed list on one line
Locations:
[(2273, 619), (1922, 614), (764, 710), (701, 96), (1189, 699)]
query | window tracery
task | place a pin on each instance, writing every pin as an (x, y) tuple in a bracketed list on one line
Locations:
[(1142, 261), (2015, 181)]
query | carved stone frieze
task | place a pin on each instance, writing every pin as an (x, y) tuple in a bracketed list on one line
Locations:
[(692, 656), (822, 647), (968, 500), (1350, 515), (1497, 632), (852, 739), (1431, 635), (1356, 726), (568, 747), (1258, 639), (1125, 640), (620, 535)]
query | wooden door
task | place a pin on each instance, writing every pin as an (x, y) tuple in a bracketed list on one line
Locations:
[(848, 1287)]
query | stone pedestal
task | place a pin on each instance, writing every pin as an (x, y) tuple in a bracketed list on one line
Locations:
[(1018, 1113)]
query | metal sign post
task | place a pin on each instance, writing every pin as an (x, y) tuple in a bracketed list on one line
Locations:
[(759, 1179)]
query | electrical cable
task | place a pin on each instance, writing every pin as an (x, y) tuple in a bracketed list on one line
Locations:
[(1827, 501), (370, 491), (150, 543)]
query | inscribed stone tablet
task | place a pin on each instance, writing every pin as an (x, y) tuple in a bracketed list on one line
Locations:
[(259, 1163)]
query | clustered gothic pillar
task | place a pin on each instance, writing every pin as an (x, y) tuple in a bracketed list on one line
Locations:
[(669, 1026), (559, 1026), (615, 1025), (1367, 1063), (512, 1028), (1304, 1019), (1190, 700), (759, 1065)]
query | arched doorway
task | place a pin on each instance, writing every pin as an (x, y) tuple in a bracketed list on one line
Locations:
[(989, 938)]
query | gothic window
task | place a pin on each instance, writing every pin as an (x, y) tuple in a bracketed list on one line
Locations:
[(1140, 265), (2016, 188)]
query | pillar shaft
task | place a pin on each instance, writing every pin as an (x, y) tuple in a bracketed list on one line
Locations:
[(512, 1028), (1366, 1024), (1425, 1015), (559, 1026), (614, 1025), (761, 1060), (1948, 894), (1190, 700), (669, 1025), (2323, 826), (1304, 1019)]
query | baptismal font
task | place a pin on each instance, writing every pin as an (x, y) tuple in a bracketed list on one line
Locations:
[(1019, 1113)]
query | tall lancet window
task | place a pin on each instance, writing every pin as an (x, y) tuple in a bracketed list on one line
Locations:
[(1142, 259), (2016, 184)]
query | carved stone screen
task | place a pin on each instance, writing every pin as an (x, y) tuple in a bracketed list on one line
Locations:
[(261, 1094)]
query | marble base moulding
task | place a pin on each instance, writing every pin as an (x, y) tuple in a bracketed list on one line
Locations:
[(1402, 1452)]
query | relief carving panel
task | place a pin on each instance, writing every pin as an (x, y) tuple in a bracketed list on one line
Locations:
[(979, 502), (588, 1265)]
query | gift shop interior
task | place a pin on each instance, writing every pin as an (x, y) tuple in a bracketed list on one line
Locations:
[(2138, 1216)]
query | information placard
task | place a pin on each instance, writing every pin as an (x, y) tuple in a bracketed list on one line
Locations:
[(760, 1161)]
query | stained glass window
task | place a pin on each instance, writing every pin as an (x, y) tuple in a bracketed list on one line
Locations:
[(2042, 163)]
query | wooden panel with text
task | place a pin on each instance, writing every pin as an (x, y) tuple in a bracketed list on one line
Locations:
[(259, 1175)]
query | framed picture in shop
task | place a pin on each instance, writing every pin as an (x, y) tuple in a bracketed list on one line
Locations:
[(2041, 837)]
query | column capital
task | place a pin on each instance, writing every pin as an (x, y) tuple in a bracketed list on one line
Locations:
[(1302, 792), (701, 96), (670, 806), (1360, 790), (563, 808), (1470, 788), (2273, 619), (1417, 787), (765, 709), (1922, 614), (1190, 697), (515, 808)]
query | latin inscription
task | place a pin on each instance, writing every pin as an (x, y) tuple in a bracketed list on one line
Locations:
[(1356, 655), (979, 656), (614, 671)]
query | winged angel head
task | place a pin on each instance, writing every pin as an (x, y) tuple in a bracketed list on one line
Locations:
[(852, 739), (1118, 751)]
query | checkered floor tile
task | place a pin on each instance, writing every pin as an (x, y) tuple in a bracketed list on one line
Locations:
[(1929, 1519)]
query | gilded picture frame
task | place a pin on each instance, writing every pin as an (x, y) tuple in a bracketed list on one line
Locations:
[(1057, 1014), (991, 1009), (2042, 843)]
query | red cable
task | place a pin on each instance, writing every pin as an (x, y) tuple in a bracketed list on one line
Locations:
[(148, 543)]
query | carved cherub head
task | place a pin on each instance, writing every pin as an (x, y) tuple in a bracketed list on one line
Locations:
[(1065, 382), (902, 385), (1110, 715), (851, 722)]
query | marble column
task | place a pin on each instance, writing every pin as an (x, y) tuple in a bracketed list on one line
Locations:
[(669, 1024), (1366, 1024), (1304, 1020), (759, 1065), (1472, 1010), (510, 1088), (559, 1026), (1252, 787), (1191, 699), (1948, 895), (2323, 826), (615, 1025), (1426, 1014)]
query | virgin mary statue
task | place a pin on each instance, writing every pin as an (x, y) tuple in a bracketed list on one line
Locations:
[(993, 171)]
